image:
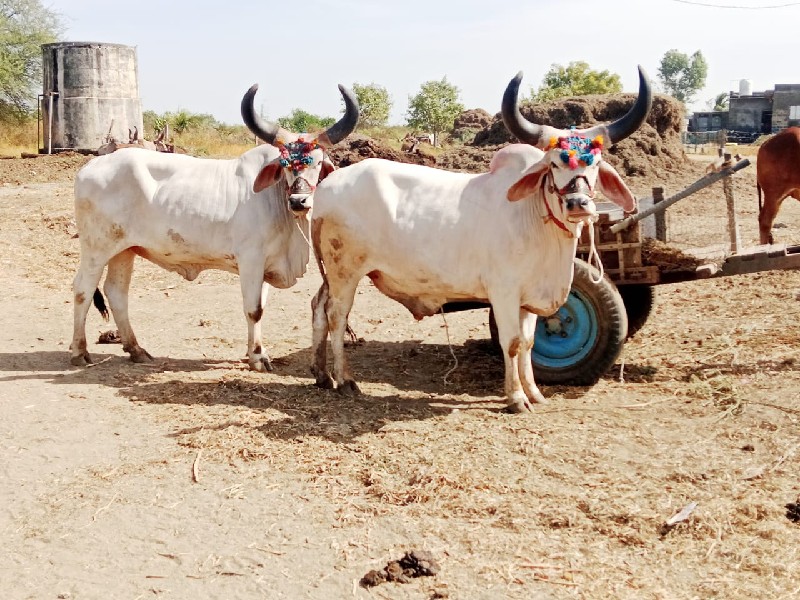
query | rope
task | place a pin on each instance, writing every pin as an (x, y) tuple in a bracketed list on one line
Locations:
[(303, 233), (594, 256), (449, 345)]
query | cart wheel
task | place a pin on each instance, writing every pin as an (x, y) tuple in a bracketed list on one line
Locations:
[(639, 301), (582, 340)]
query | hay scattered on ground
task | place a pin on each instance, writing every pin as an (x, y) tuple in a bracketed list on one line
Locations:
[(668, 258)]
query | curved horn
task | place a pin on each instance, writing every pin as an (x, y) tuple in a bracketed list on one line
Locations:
[(344, 126), (518, 125), (265, 130), (633, 119)]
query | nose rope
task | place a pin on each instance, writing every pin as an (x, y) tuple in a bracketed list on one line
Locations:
[(594, 256), (300, 229)]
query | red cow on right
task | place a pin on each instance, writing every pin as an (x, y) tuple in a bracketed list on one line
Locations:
[(778, 174)]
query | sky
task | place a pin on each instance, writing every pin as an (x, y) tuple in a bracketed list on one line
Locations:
[(201, 56)]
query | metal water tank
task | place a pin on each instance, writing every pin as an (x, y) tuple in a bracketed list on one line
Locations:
[(745, 87), (91, 91)]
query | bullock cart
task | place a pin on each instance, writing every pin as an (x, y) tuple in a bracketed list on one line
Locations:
[(583, 339)]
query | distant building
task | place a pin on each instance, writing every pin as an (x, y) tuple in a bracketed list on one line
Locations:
[(751, 114)]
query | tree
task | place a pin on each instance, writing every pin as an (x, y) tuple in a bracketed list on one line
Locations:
[(435, 108), (301, 121), (24, 26), (682, 76), (576, 79), (374, 104), (720, 103)]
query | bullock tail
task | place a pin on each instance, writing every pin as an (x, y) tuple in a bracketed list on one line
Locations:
[(758, 189), (100, 303)]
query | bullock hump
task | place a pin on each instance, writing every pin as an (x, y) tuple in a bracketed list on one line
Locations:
[(517, 156)]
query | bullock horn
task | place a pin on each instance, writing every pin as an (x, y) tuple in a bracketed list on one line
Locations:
[(518, 125), (264, 129), (617, 131), (632, 120), (345, 126)]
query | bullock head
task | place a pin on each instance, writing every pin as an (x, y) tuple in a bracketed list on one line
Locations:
[(572, 169), (303, 162)]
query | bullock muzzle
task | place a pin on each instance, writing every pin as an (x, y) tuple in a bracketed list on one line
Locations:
[(300, 195), (578, 200)]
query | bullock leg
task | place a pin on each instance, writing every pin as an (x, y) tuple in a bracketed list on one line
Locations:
[(319, 339), (254, 297), (83, 286), (337, 308), (772, 202), (527, 323), (508, 330), (118, 282)]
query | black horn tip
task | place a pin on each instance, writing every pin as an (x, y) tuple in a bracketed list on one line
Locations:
[(263, 129), (630, 122), (517, 125)]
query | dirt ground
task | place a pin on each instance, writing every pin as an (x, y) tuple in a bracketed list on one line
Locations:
[(195, 478)]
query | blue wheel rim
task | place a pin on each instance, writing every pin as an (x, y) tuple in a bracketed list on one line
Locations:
[(566, 338)]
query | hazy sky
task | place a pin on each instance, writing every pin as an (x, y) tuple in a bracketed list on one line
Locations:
[(203, 55)]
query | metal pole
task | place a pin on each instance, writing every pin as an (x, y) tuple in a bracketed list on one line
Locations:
[(39, 99), (50, 122), (698, 185)]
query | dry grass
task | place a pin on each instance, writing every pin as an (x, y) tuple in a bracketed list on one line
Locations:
[(16, 138)]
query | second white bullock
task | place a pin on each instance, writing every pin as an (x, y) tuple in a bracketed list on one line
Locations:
[(426, 237), (188, 214)]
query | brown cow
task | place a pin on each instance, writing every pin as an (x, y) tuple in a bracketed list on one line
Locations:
[(778, 174)]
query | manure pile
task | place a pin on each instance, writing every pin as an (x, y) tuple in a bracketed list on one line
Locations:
[(652, 151)]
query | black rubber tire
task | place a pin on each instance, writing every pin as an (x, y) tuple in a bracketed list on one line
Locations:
[(605, 303), (639, 300)]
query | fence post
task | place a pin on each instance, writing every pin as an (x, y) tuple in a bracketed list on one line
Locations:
[(733, 225), (661, 217)]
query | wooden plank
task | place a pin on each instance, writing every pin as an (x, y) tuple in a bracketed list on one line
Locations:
[(761, 258)]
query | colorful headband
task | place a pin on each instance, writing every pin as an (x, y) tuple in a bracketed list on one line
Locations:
[(577, 148), (296, 154)]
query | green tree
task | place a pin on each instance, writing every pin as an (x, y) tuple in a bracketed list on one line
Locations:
[(683, 76), (720, 102), (435, 108), (183, 120), (374, 104), (301, 121), (576, 79), (24, 26)]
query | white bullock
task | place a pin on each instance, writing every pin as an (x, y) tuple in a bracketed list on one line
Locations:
[(189, 214), (426, 237)]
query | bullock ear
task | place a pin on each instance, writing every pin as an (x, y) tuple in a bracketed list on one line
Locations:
[(612, 186), (326, 168), (267, 176), (529, 183)]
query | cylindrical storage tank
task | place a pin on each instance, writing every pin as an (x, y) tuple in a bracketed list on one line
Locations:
[(745, 87), (91, 91)]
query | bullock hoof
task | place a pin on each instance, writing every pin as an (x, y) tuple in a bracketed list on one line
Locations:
[(516, 408), (518, 404), (140, 355), (537, 398), (261, 364), (322, 378), (80, 360), (348, 388)]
